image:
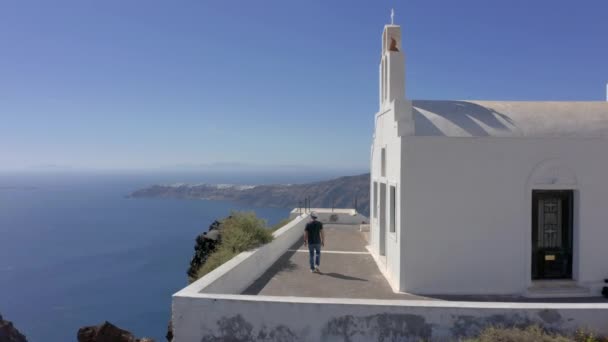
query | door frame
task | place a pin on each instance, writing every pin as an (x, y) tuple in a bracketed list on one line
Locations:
[(568, 235), (382, 218)]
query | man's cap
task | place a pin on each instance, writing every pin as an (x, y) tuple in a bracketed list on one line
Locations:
[(313, 215)]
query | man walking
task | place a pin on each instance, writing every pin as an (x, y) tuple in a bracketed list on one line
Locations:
[(314, 239)]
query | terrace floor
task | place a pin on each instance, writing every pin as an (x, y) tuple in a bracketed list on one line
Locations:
[(349, 271)]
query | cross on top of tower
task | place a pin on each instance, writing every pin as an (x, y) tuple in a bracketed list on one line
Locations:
[(392, 16)]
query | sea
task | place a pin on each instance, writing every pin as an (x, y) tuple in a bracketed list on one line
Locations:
[(76, 251)]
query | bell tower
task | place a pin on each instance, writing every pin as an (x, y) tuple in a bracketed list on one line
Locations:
[(392, 65)]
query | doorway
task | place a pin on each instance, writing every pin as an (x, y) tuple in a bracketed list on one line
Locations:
[(552, 234), (382, 242)]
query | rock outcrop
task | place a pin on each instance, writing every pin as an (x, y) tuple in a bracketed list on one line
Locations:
[(8, 332), (206, 243), (107, 332), (343, 192), (169, 335)]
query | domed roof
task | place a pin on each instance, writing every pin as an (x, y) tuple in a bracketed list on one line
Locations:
[(510, 119)]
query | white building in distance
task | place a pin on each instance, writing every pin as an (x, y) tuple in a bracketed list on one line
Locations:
[(487, 197)]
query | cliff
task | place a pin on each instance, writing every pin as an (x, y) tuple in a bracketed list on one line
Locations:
[(339, 193)]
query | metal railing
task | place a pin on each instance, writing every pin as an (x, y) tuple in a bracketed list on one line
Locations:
[(304, 207)]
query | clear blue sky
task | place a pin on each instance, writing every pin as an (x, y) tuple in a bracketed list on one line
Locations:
[(120, 84)]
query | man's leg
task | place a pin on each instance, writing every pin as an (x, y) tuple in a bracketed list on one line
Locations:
[(318, 252), (311, 254)]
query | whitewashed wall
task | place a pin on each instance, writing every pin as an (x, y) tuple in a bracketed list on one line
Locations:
[(393, 120), (468, 211), (386, 136), (206, 317)]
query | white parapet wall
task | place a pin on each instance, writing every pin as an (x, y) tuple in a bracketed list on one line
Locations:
[(240, 272), (333, 216), (205, 317)]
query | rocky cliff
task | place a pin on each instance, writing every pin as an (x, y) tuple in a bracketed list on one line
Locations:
[(107, 332), (206, 244), (341, 192)]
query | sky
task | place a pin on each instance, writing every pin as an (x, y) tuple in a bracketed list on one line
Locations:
[(146, 84)]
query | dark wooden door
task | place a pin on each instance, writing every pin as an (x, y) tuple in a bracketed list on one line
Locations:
[(382, 245), (552, 234)]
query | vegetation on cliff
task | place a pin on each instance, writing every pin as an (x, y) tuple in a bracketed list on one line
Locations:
[(239, 232)]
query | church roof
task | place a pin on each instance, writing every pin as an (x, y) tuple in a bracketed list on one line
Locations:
[(510, 118)]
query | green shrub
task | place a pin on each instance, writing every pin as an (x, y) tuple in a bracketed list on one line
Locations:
[(215, 260), (241, 231)]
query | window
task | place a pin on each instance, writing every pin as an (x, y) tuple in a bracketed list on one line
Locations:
[(393, 210), (383, 162), (382, 81), (382, 219), (375, 194)]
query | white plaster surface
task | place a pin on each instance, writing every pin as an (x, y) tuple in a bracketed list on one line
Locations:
[(392, 120), (468, 211), (204, 317)]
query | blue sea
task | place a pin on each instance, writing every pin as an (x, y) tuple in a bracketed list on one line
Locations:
[(75, 251)]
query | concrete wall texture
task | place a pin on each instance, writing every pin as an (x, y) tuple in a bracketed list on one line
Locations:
[(255, 318)]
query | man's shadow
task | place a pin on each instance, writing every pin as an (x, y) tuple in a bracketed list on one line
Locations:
[(341, 276)]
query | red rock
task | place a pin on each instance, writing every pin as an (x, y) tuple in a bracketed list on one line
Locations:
[(107, 332)]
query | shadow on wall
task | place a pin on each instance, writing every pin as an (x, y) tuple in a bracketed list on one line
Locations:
[(463, 114)]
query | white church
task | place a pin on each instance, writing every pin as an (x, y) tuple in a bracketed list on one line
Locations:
[(487, 197)]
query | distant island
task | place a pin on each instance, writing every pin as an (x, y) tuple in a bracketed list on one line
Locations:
[(340, 192)]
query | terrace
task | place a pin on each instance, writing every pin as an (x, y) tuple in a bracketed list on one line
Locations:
[(263, 292)]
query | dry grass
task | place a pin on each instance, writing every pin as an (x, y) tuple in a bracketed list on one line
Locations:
[(531, 334)]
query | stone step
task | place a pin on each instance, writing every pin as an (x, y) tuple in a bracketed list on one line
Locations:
[(557, 289)]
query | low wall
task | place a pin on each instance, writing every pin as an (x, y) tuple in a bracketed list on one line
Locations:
[(262, 318), (334, 216), (238, 273)]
